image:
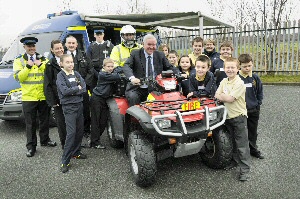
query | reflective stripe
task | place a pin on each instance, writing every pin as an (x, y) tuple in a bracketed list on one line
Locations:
[(16, 75), (33, 82), (118, 47), (35, 74)]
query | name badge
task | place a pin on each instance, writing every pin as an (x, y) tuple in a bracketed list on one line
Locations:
[(221, 69), (201, 87), (249, 85), (72, 79)]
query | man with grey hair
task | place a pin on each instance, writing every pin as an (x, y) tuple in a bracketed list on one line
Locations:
[(144, 62), (210, 49)]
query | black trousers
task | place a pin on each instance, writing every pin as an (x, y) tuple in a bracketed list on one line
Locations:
[(31, 109), (241, 153), (252, 123), (99, 111), (86, 113), (61, 124), (74, 125), (136, 96)]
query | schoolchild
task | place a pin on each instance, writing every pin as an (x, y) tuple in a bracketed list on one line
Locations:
[(173, 58), (164, 48), (70, 88), (202, 83), (186, 69), (101, 93), (254, 97), (217, 66), (197, 45), (232, 92)]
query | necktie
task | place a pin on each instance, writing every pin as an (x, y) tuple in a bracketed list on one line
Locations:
[(31, 58), (149, 71), (72, 55)]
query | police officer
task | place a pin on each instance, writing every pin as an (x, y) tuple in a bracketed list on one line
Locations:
[(121, 52), (29, 71), (82, 66), (97, 52)]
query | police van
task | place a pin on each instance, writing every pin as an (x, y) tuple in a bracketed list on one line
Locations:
[(81, 26)]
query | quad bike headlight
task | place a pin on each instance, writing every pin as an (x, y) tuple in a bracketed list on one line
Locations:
[(15, 97), (164, 124), (213, 115)]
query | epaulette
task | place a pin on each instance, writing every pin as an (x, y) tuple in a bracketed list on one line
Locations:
[(19, 56)]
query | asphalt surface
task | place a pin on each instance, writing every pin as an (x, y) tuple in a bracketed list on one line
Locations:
[(106, 174)]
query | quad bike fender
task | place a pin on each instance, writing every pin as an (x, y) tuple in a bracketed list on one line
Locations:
[(117, 118), (142, 117)]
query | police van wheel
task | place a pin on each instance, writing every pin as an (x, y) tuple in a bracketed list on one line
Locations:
[(217, 150), (142, 159)]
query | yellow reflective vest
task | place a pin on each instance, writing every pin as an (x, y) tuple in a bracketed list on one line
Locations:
[(31, 80), (120, 53)]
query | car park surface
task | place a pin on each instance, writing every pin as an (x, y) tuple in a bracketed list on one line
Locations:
[(106, 173)]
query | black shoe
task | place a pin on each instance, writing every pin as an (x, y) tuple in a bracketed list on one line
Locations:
[(232, 165), (80, 156), (257, 154), (98, 146), (49, 143), (30, 153), (64, 168), (244, 177)]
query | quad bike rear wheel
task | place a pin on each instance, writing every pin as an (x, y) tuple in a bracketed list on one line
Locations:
[(217, 150), (142, 159), (113, 142)]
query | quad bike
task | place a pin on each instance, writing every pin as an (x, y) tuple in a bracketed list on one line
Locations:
[(167, 125)]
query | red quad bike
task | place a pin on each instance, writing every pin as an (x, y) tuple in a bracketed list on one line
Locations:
[(168, 125)]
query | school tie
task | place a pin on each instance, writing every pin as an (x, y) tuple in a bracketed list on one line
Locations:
[(31, 58)]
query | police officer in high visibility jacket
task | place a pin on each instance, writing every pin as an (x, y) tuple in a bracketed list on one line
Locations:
[(97, 52), (29, 71), (121, 52)]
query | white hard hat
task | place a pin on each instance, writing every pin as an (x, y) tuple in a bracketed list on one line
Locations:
[(128, 29)]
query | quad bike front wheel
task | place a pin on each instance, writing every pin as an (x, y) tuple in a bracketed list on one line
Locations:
[(142, 159), (217, 150)]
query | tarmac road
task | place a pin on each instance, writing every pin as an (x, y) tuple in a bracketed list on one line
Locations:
[(105, 174)]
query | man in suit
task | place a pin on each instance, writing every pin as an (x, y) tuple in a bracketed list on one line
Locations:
[(144, 62)]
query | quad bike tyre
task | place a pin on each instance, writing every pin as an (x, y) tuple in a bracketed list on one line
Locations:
[(217, 150), (113, 142), (142, 159)]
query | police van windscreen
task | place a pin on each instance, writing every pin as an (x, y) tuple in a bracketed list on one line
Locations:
[(42, 46)]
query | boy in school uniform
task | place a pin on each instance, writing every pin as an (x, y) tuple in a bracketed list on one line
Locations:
[(232, 92), (226, 50), (197, 45), (202, 83), (99, 108), (254, 97), (70, 87)]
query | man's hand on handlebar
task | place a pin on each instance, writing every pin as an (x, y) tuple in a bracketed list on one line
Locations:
[(135, 81)]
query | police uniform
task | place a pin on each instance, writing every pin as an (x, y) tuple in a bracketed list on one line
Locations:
[(31, 79), (96, 53), (121, 53)]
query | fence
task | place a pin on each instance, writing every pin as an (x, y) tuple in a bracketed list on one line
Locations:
[(273, 50)]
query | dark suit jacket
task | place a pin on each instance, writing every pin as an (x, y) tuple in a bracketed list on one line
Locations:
[(135, 65)]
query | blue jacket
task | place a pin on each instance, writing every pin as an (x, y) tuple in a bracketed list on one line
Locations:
[(105, 84), (207, 87)]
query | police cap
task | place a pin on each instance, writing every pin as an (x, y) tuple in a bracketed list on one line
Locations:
[(29, 40), (99, 31)]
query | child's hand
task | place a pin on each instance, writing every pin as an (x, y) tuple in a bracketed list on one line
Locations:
[(79, 87), (190, 95), (184, 75)]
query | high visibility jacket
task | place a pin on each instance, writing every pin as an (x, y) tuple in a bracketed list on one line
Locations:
[(31, 80), (120, 53)]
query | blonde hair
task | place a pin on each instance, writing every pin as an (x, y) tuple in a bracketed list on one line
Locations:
[(107, 60), (232, 59), (210, 40), (226, 44)]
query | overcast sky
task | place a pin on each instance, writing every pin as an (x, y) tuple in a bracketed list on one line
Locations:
[(16, 15)]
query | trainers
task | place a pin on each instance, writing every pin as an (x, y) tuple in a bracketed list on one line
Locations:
[(64, 168), (244, 177), (80, 156)]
